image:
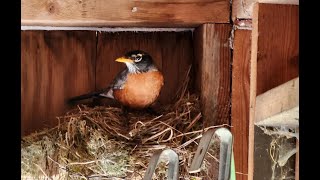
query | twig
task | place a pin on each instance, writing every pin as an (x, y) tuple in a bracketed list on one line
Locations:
[(42, 171), (156, 135), (189, 142), (193, 122), (59, 165), (213, 157), (90, 162)]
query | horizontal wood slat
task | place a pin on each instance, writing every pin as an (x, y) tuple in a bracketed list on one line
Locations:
[(147, 13)]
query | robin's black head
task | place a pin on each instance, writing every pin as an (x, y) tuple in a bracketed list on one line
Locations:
[(137, 61)]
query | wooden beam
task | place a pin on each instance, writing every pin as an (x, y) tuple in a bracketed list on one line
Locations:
[(55, 65), (240, 101), (242, 9), (212, 55), (277, 100), (274, 56), (147, 13)]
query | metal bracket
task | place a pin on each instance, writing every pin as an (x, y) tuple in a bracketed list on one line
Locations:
[(164, 155), (226, 141)]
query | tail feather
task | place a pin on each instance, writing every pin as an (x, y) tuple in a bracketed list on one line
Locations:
[(85, 96)]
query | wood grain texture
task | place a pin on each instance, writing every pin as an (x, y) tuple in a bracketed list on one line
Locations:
[(288, 118), (240, 101), (278, 45), (277, 100), (212, 55), (297, 161), (171, 51), (242, 9), (274, 57), (55, 65), (253, 90), (155, 13)]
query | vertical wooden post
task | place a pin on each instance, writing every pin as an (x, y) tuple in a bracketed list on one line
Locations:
[(240, 101), (213, 72)]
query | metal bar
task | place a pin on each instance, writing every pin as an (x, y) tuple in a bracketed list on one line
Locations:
[(226, 141), (164, 155)]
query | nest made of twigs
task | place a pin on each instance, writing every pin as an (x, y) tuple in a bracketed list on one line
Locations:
[(103, 141)]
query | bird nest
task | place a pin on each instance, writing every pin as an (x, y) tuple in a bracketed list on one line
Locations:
[(103, 141)]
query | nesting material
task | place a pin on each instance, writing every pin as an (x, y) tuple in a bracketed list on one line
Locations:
[(92, 142)]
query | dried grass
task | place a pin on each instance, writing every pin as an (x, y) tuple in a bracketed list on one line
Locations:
[(104, 142)]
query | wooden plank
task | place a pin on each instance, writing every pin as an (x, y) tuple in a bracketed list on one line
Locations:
[(171, 51), (288, 118), (278, 33), (242, 9), (297, 161), (55, 65), (240, 101), (277, 100), (212, 55), (253, 90), (155, 13), (274, 57)]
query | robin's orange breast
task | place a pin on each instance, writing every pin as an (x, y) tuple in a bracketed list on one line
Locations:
[(140, 90)]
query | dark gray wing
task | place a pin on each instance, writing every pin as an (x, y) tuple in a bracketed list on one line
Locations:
[(117, 83), (119, 80)]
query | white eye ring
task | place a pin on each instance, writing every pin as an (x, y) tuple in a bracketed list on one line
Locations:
[(138, 59)]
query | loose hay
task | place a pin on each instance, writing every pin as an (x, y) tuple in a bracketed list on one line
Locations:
[(104, 142)]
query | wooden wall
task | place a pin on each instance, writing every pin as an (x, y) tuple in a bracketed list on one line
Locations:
[(278, 45), (56, 65), (172, 52), (274, 61), (277, 61)]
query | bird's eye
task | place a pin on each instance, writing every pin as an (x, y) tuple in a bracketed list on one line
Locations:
[(138, 59)]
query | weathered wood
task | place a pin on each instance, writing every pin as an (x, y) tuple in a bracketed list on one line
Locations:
[(55, 65), (171, 51), (297, 161), (274, 57), (277, 100), (288, 118), (212, 56), (155, 13), (242, 9), (240, 101), (253, 91), (278, 45)]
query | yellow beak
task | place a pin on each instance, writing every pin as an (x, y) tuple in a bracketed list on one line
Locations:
[(124, 60)]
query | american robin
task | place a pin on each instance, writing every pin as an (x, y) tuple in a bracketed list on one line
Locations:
[(138, 86)]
